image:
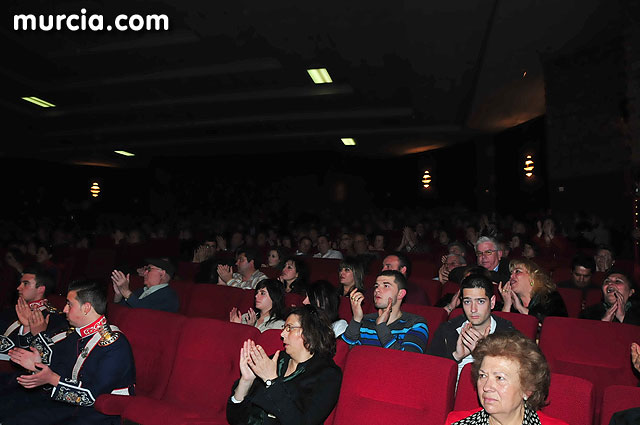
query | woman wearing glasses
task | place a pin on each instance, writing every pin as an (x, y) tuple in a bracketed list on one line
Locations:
[(298, 386), (531, 291)]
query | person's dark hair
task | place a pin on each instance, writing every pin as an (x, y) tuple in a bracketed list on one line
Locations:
[(582, 260), (251, 254), (303, 238), (90, 292), (317, 333), (299, 286), (607, 248), (355, 265), (324, 295), (281, 255), (477, 281), (398, 278), (403, 261), (43, 278), (533, 368), (459, 245), (276, 293)]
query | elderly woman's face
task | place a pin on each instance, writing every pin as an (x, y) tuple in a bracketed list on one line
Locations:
[(499, 387)]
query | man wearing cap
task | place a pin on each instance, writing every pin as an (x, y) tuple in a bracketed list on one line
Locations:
[(156, 293)]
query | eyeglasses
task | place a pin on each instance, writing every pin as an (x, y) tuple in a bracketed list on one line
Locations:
[(486, 253), (149, 268), (287, 328)]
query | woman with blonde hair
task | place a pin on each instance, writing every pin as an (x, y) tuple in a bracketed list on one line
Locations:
[(531, 291)]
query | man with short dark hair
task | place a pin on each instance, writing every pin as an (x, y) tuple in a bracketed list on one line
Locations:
[(582, 269), (304, 246), (33, 313), (93, 359), (156, 293), (400, 262), (324, 249), (247, 276), (457, 338), (390, 327)]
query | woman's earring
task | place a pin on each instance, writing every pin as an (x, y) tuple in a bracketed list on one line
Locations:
[(525, 398), (531, 283)]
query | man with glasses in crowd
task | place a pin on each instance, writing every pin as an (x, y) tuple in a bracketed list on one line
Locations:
[(156, 293), (490, 257)]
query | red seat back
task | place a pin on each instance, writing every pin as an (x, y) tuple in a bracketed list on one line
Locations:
[(271, 341), (188, 270), (435, 316), (153, 336), (421, 391), (216, 301), (206, 363), (617, 398), (572, 299), (183, 288)]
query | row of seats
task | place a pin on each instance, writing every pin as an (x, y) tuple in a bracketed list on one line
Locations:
[(186, 367)]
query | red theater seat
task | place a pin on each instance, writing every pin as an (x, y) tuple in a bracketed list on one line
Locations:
[(431, 287), (323, 269), (617, 398), (205, 367), (421, 391), (216, 301), (153, 336), (270, 340), (188, 270), (571, 399), (590, 349), (572, 299), (183, 288), (435, 316)]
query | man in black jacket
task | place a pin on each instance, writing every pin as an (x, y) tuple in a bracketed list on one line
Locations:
[(458, 337)]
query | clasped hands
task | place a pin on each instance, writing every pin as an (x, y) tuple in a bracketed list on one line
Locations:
[(120, 283), (467, 341), (236, 317), (255, 362), (510, 298), (32, 321), (31, 360)]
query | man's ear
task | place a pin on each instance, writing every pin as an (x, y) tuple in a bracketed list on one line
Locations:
[(500, 253), (493, 301), (86, 308), (403, 270), (401, 294), (40, 291)]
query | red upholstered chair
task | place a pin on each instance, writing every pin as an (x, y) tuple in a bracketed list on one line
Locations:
[(572, 299), (421, 391), (216, 301), (342, 352), (293, 300), (153, 336), (593, 296), (424, 268), (571, 399), (188, 270), (449, 288), (271, 272), (204, 369), (270, 340), (117, 313), (617, 398), (100, 264), (431, 287), (435, 316), (561, 274), (590, 349), (344, 309), (323, 269), (183, 288)]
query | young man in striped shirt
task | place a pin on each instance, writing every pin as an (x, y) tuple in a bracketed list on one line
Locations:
[(390, 327)]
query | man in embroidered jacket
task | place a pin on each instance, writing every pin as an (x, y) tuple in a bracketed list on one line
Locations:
[(32, 313), (92, 359)]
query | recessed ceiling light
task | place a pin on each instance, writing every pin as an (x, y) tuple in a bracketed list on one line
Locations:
[(320, 75), (125, 153), (39, 102), (348, 141)]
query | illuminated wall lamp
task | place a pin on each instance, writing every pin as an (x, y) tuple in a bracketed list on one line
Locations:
[(528, 166), (426, 179), (95, 189)]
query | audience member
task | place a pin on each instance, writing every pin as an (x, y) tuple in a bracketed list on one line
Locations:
[(325, 297), (295, 275), (156, 293), (531, 291), (378, 242), (324, 249), (449, 262), (247, 276), (94, 359), (457, 338), (582, 269), (275, 258), (304, 246), (270, 307), (400, 262), (551, 244), (604, 258), (350, 276), (620, 305), (390, 327), (629, 416), (490, 257), (299, 386), (512, 377)]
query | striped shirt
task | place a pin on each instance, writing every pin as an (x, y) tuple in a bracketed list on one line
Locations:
[(408, 333)]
